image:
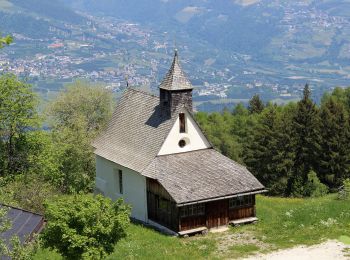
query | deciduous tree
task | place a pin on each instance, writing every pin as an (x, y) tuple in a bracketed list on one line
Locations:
[(77, 115), (5, 40), (18, 117)]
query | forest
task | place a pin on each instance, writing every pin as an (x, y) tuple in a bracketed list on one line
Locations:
[(299, 149)]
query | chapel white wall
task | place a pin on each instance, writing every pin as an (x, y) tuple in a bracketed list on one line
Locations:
[(134, 186), (193, 135)]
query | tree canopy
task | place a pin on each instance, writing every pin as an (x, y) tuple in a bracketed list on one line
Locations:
[(285, 146), (85, 226), (77, 115), (5, 40), (18, 116)]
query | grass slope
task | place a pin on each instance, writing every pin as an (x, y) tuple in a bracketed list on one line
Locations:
[(283, 223)]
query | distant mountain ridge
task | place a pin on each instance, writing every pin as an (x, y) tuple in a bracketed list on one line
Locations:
[(34, 17), (248, 26)]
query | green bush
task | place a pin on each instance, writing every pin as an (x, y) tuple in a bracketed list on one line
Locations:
[(27, 191), (84, 226), (344, 192), (314, 187)]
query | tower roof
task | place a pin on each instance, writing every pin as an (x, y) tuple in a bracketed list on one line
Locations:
[(175, 79)]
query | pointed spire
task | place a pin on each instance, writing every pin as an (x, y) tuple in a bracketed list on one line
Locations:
[(175, 79)]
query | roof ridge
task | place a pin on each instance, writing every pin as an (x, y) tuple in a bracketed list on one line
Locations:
[(192, 151), (21, 209), (142, 91)]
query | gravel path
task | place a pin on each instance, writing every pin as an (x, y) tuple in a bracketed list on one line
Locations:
[(326, 251)]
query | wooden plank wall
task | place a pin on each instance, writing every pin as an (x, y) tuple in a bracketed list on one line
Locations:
[(217, 213), (192, 222), (245, 212), (161, 207)]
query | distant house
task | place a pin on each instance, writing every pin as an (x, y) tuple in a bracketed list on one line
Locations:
[(155, 156), (24, 224)]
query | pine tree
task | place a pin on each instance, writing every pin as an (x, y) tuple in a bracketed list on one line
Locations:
[(258, 151), (284, 154), (255, 105), (306, 124), (335, 149)]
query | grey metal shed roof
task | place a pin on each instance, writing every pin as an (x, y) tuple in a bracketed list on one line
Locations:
[(175, 79), (23, 224), (136, 131), (200, 175)]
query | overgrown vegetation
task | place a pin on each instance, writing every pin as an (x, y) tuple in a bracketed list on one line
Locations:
[(283, 223), (44, 155), (76, 117), (282, 145), (84, 226)]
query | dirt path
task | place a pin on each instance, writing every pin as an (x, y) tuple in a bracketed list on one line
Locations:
[(326, 251)]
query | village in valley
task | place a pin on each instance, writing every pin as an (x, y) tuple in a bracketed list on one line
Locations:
[(108, 50)]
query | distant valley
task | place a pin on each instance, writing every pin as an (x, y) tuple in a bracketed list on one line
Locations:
[(229, 49)]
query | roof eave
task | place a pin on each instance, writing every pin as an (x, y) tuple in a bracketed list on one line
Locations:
[(258, 191)]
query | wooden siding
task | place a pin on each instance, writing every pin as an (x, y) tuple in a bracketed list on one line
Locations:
[(244, 212), (217, 213), (192, 222), (163, 210), (161, 207)]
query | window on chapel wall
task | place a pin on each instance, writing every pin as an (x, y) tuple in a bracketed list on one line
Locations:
[(241, 201), (192, 210), (182, 122), (120, 180)]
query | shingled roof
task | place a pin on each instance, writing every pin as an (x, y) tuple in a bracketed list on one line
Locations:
[(136, 131), (200, 175), (175, 79)]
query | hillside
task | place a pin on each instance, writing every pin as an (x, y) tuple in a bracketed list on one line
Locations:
[(293, 36), (230, 49), (284, 223)]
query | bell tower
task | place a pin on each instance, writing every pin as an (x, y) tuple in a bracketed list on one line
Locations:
[(175, 89)]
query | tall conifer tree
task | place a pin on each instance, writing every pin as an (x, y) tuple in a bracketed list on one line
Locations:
[(255, 105), (306, 137), (335, 152)]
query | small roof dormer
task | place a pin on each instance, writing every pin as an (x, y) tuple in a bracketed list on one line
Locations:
[(175, 89)]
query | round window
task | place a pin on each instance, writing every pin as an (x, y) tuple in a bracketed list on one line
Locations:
[(182, 143)]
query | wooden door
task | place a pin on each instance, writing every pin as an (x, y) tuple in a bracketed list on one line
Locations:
[(217, 213)]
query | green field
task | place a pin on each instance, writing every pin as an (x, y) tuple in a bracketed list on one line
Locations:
[(283, 223)]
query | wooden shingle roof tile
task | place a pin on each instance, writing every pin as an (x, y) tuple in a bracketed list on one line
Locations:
[(199, 175), (175, 79), (136, 131)]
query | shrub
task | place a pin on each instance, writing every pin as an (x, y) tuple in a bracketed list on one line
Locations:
[(314, 187), (85, 226), (344, 192), (27, 191)]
